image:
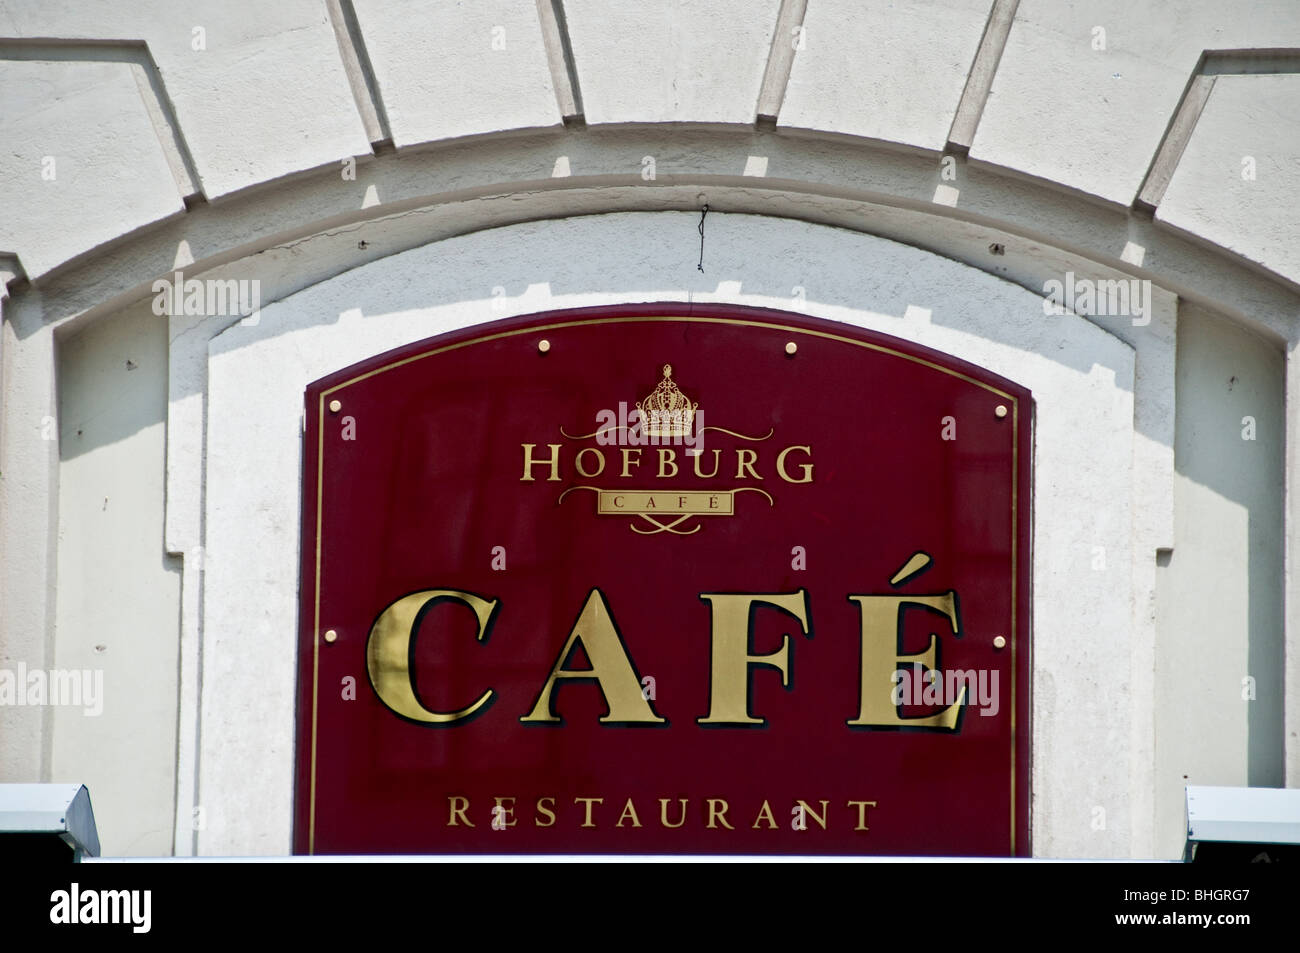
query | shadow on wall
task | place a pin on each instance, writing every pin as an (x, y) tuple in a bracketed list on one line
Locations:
[(1230, 440), (112, 381), (654, 256)]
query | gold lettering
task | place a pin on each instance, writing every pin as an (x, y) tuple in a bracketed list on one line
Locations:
[(507, 812), (588, 802), (529, 463), (813, 814), (545, 810), (611, 669), (882, 628), (807, 468), (663, 812), (862, 812), (667, 458), (765, 812), (717, 462), (628, 811), (389, 651), (577, 462), (627, 459), (732, 633), (458, 807), (745, 460), (721, 815)]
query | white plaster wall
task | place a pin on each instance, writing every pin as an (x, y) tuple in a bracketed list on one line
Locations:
[(265, 96), (671, 61), (1219, 627), (1238, 180), (28, 521), (1092, 118), (118, 602), (912, 56), (460, 69), (1082, 377), (68, 159), (269, 95)]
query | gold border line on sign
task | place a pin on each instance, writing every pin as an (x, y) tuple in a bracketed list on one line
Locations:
[(315, 662), (653, 319), (588, 322), (1015, 486)]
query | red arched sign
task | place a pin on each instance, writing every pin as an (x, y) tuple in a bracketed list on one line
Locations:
[(665, 579)]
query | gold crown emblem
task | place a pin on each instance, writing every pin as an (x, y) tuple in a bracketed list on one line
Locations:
[(667, 412)]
